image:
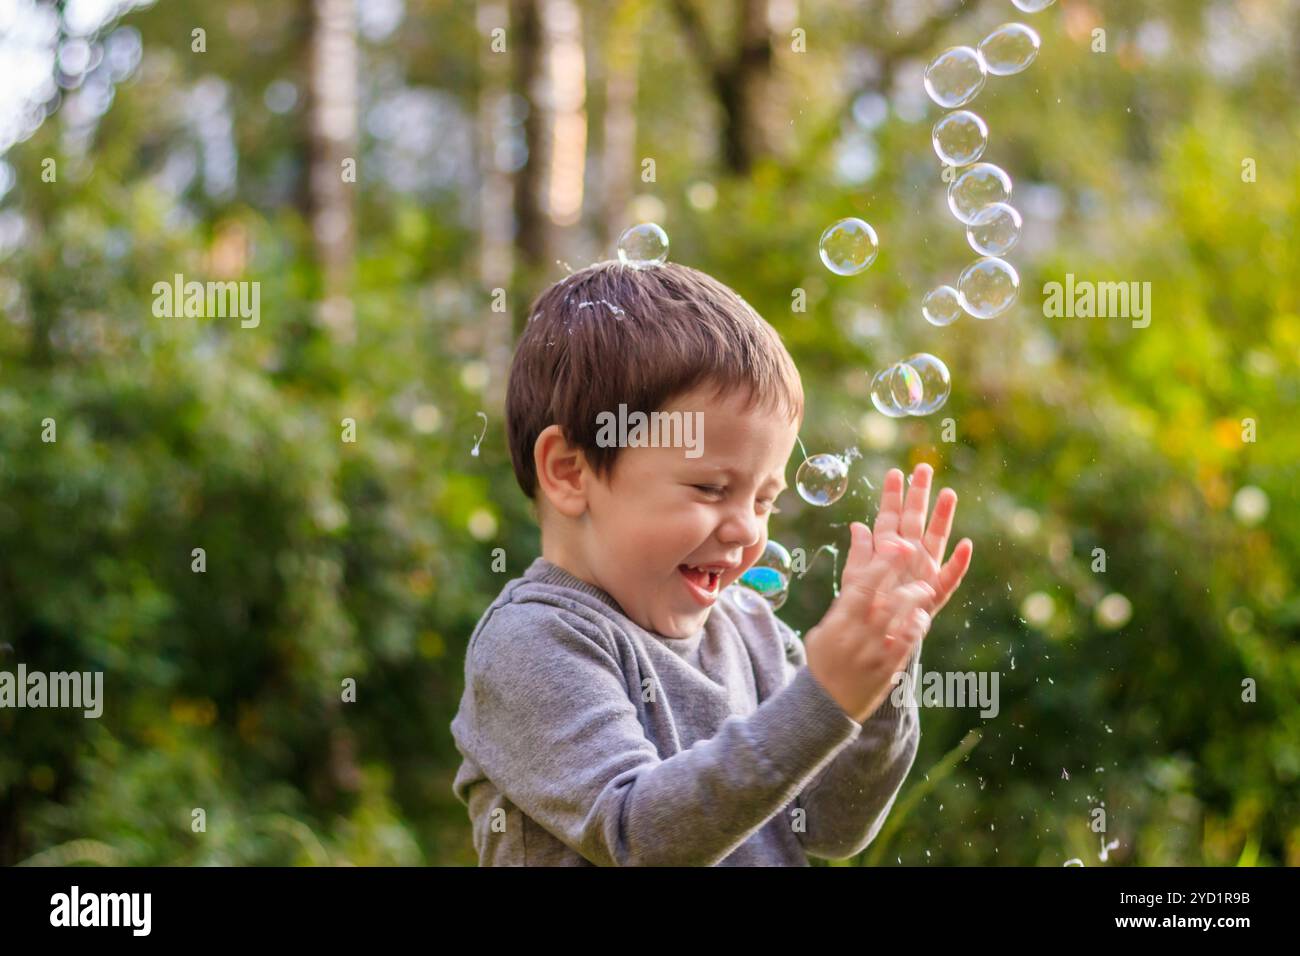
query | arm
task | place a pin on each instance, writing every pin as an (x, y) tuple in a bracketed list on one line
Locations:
[(846, 804), (553, 726)]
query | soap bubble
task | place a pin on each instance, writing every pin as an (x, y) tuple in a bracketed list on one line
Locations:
[(1032, 6), (935, 381), (994, 229), (941, 306), (959, 138), (1009, 49), (955, 77), (897, 390), (905, 384), (848, 246), (882, 394), (769, 577), (987, 287), (822, 479), (975, 188), (643, 246)]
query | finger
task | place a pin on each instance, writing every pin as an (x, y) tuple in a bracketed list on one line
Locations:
[(861, 549), (891, 503), (936, 536), (952, 573), (918, 502)]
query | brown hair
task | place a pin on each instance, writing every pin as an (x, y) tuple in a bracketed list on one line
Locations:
[(613, 333)]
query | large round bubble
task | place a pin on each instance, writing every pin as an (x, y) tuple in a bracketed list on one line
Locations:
[(941, 306), (994, 229), (987, 287), (848, 246), (977, 187), (935, 381), (960, 138), (1009, 49), (882, 394), (955, 77)]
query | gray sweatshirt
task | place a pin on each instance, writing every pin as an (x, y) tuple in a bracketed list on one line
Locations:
[(589, 740)]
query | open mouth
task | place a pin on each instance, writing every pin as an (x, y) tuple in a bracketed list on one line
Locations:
[(701, 582)]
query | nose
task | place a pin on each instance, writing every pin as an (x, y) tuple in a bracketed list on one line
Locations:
[(741, 528)]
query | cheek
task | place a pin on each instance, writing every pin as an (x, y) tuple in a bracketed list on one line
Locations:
[(752, 554)]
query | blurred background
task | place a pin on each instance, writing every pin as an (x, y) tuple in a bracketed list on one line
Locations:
[(497, 146)]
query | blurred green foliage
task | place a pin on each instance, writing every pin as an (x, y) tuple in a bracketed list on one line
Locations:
[(329, 560)]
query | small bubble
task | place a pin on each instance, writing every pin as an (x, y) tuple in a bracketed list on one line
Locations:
[(848, 246), (822, 479), (643, 246)]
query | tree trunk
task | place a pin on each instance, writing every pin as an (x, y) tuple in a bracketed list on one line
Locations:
[(332, 110)]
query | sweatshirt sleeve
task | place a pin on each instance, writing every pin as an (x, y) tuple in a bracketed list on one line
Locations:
[(551, 722), (846, 803)]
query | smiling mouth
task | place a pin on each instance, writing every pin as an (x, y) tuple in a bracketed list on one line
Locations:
[(703, 584)]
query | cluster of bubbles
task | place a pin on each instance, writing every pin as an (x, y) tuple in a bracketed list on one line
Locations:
[(918, 385), (980, 195)]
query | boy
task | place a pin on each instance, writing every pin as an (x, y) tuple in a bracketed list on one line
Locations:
[(617, 711)]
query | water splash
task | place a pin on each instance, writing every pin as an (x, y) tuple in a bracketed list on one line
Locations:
[(835, 564), (474, 451), (617, 310)]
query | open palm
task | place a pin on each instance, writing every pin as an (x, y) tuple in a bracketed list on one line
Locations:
[(901, 528)]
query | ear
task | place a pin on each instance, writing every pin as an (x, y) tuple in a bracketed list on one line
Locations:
[(561, 472)]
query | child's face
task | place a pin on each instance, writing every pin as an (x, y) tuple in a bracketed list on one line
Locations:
[(662, 511)]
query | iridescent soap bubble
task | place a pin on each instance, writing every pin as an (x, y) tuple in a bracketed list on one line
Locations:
[(959, 138), (987, 287), (906, 386), (936, 383), (643, 246), (1009, 49), (822, 479), (882, 394), (941, 306), (848, 246), (769, 576), (1032, 6), (994, 229), (975, 188), (955, 76)]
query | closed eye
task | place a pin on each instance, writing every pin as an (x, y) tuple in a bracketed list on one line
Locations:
[(710, 489)]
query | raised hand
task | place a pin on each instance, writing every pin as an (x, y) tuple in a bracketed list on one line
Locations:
[(871, 628), (905, 521)]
